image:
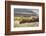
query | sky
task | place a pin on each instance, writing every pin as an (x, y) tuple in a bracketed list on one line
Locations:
[(25, 11)]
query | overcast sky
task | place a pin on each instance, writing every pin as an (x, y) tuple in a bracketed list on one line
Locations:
[(25, 11)]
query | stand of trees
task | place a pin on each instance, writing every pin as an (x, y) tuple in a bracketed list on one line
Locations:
[(27, 19)]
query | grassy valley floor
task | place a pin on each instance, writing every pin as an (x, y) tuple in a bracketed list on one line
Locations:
[(32, 24)]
